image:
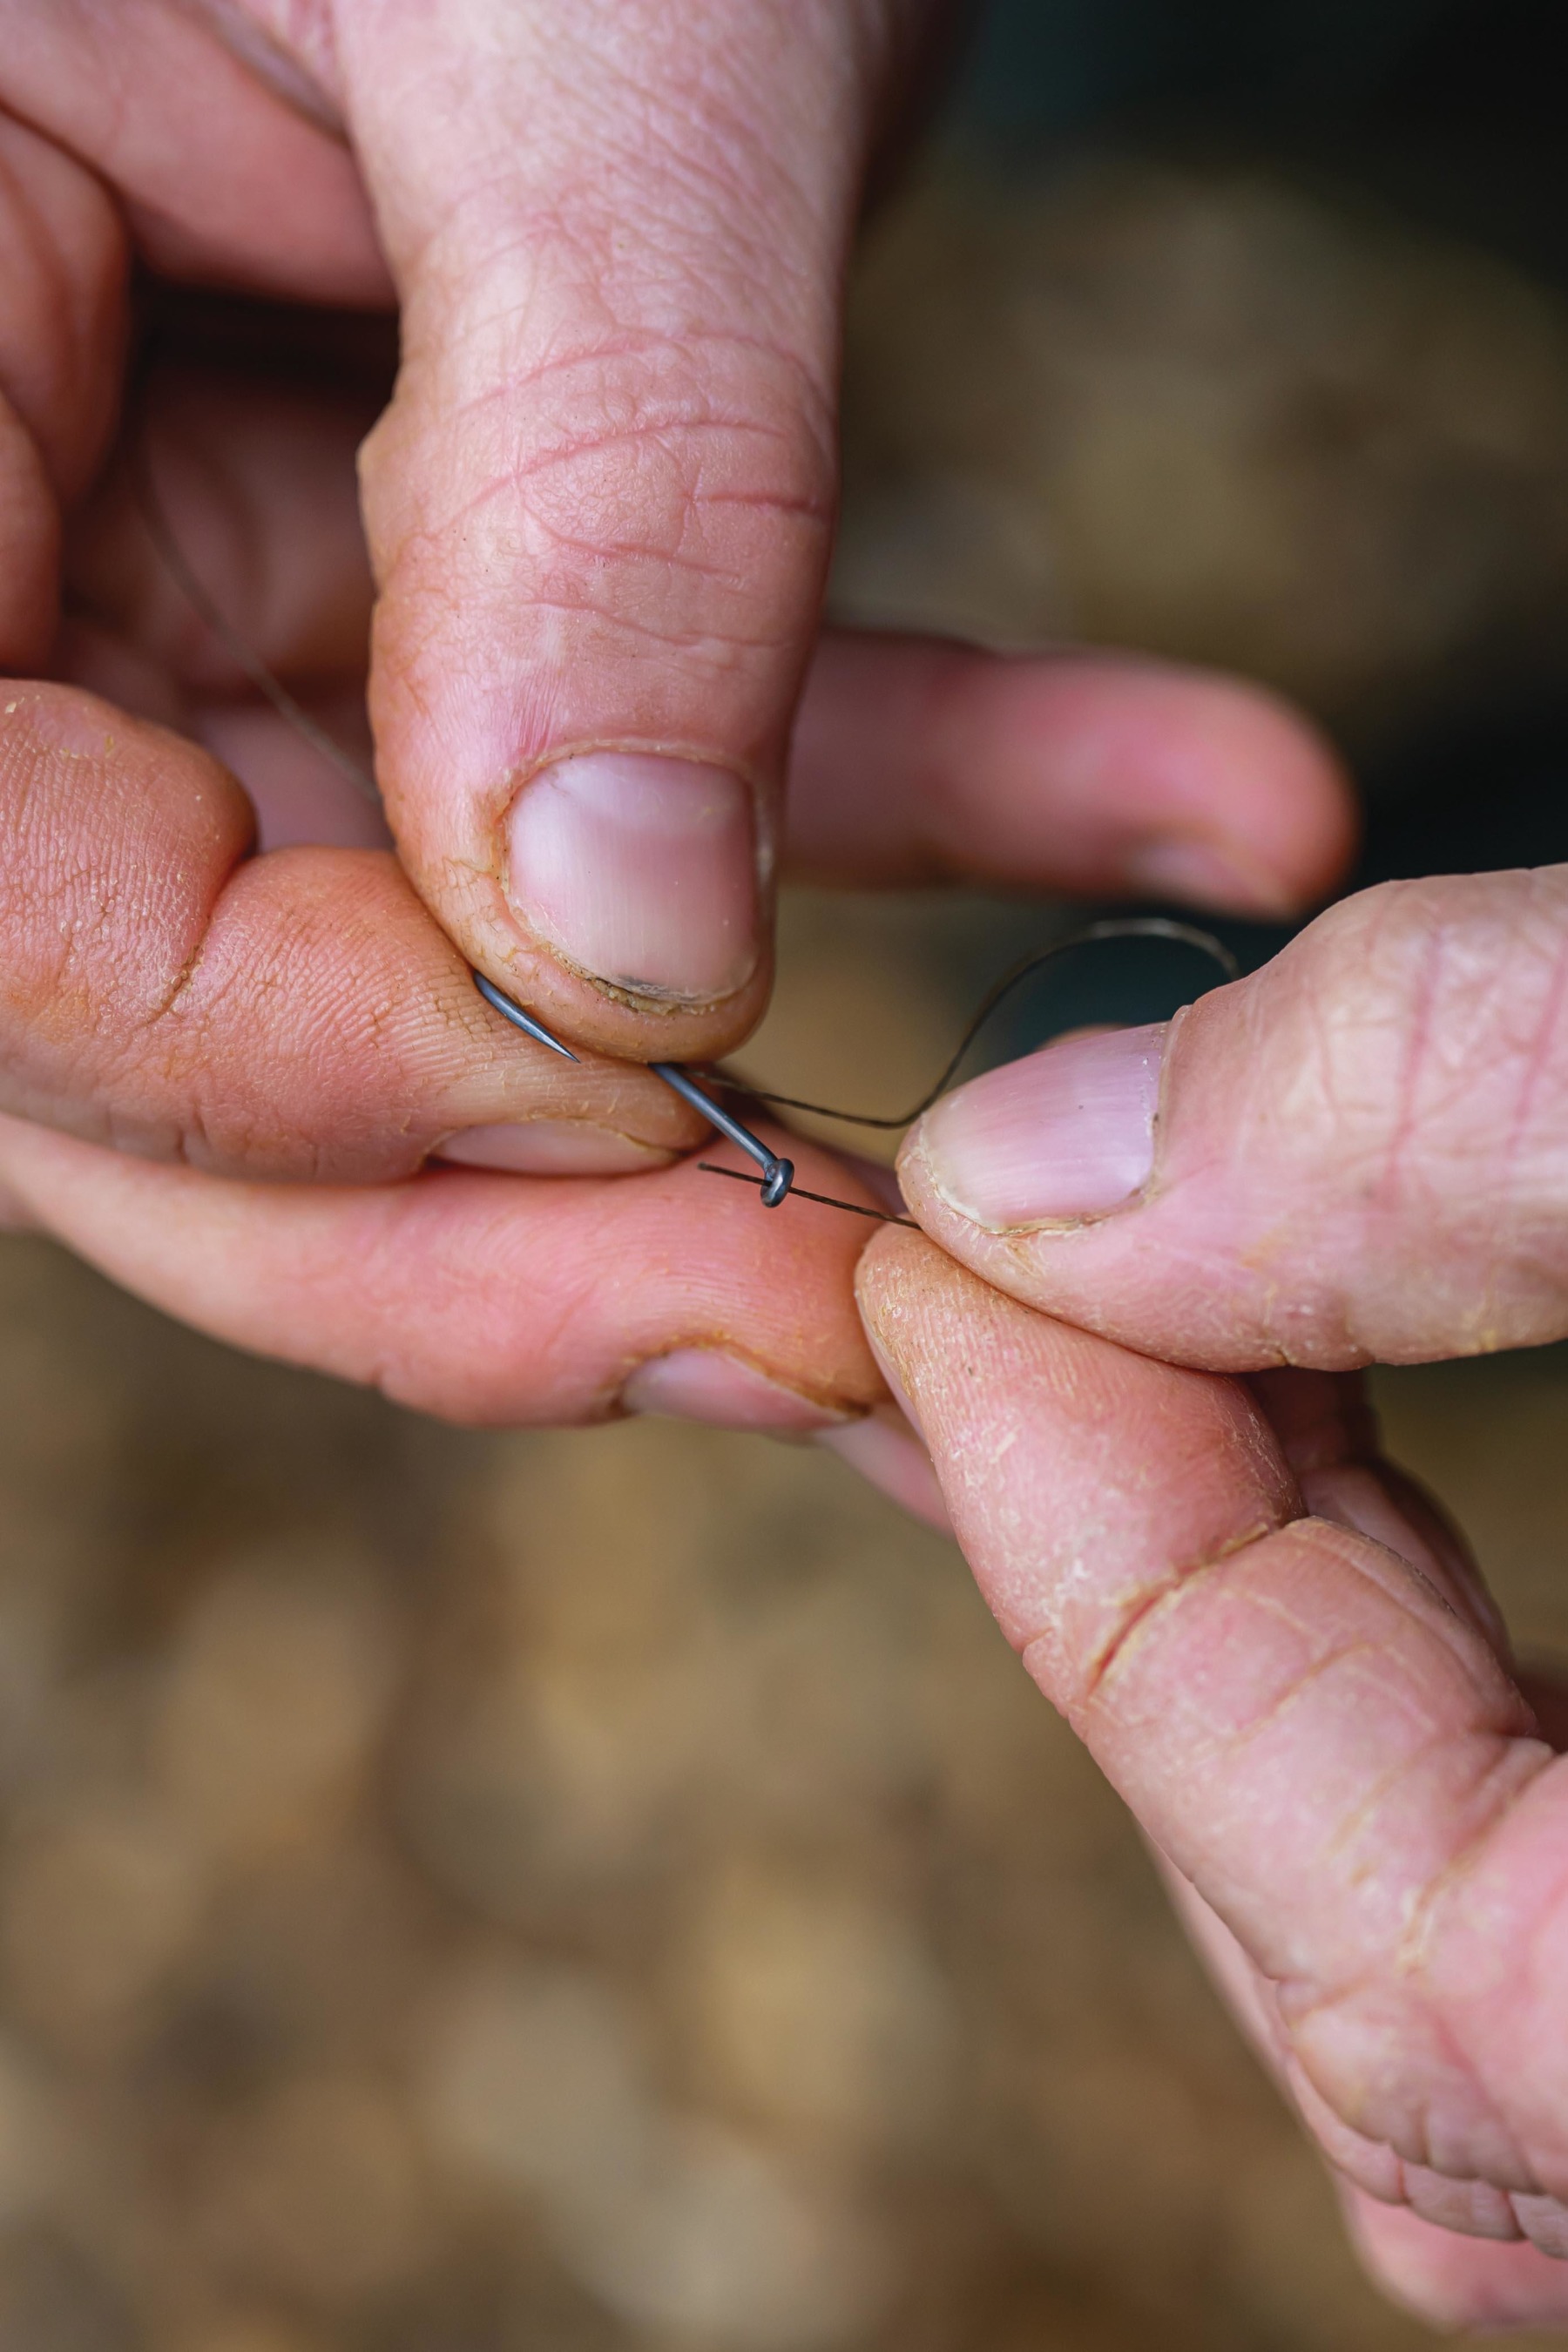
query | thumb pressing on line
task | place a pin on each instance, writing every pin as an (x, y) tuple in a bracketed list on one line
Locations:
[(1359, 1153)]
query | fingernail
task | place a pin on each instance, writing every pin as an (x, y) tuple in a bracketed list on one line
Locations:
[(642, 870), (1067, 1133), (550, 1147), (705, 1384), (1198, 873)]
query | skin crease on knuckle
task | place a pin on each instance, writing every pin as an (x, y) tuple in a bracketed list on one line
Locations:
[(1374, 2171), (1426, 1781), (254, 1016), (393, 1248), (1383, 1866), (1444, 2272)]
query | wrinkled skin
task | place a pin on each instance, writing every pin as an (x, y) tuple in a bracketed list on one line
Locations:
[(1274, 1643), (598, 506)]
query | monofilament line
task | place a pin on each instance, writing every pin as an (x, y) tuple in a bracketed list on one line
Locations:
[(799, 1192)]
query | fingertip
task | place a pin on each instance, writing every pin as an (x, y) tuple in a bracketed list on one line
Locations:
[(1282, 801), (1451, 2281), (1221, 794), (1091, 771)]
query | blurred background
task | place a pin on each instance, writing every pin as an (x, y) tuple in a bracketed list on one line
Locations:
[(616, 1892)]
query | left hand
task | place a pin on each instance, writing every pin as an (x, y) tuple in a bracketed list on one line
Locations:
[(600, 503), (300, 1016)]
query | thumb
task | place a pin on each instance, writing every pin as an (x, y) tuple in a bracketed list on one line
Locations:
[(600, 504), (1360, 1153)]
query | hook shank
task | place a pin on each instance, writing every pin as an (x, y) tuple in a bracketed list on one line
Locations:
[(778, 1173)]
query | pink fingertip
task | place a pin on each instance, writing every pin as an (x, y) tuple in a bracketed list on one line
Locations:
[(885, 1451), (706, 1384)]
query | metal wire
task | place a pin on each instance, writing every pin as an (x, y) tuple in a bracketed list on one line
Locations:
[(146, 492), (778, 1174), (776, 1179), (514, 1013), (1119, 927)]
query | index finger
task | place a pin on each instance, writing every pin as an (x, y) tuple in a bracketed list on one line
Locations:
[(294, 1016), (1328, 1749)]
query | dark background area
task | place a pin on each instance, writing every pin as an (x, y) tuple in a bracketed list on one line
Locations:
[(1451, 112)]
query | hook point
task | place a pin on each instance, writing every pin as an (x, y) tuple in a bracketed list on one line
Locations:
[(520, 1019)]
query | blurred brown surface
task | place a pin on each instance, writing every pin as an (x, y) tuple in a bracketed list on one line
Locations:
[(466, 1892), (1216, 413), (616, 1892)]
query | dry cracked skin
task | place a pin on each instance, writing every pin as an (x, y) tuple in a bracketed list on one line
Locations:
[(617, 1892)]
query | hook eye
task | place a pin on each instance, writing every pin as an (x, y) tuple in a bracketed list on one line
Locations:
[(777, 1181)]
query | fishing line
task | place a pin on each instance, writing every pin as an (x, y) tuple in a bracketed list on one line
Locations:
[(799, 1192), (144, 490), (1116, 927), (775, 1182)]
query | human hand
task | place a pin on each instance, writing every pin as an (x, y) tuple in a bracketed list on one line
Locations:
[(599, 506), (600, 501), (1273, 1642), (300, 1015)]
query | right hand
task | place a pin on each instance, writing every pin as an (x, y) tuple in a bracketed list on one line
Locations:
[(1280, 1651)]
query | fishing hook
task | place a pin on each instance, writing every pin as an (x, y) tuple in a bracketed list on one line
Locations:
[(778, 1173)]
